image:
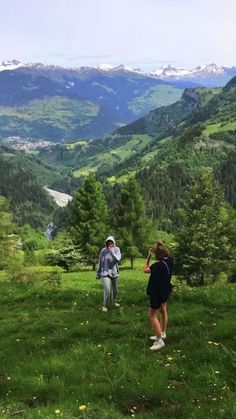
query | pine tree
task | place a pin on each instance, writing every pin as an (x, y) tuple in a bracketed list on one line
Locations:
[(204, 249), (62, 252), (8, 238), (88, 220), (131, 222)]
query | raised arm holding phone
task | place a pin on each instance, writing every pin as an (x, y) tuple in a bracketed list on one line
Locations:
[(158, 289), (108, 272)]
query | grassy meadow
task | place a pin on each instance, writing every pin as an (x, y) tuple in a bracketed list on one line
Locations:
[(61, 356), (118, 155)]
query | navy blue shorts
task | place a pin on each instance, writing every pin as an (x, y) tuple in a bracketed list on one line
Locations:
[(155, 302)]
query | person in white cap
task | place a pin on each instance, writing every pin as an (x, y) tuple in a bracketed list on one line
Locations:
[(108, 272)]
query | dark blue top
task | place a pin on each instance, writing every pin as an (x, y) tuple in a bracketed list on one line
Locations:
[(159, 283)]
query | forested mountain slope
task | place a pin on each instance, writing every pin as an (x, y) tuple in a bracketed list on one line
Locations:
[(167, 149), (22, 178), (60, 104)]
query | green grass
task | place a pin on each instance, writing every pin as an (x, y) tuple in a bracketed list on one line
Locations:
[(205, 95), (161, 95), (60, 352), (57, 109), (115, 156), (71, 146), (219, 127)]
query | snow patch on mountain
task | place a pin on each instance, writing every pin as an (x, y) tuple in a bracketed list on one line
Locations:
[(207, 74), (10, 65), (106, 67)]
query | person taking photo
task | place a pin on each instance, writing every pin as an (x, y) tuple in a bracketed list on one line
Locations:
[(158, 289)]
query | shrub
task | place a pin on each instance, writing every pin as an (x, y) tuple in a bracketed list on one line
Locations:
[(29, 275)]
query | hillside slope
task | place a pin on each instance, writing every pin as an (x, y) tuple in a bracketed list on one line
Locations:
[(166, 149), (56, 104), (62, 335), (22, 178)]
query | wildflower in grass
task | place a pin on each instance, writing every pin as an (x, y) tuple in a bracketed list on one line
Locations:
[(169, 358), (82, 407), (9, 378), (217, 372), (17, 340), (57, 412)]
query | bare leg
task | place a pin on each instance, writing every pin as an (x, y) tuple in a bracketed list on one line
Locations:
[(164, 317), (155, 322)]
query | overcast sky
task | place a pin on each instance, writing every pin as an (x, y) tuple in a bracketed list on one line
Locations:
[(138, 33)]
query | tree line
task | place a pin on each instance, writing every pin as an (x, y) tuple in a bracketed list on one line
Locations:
[(204, 233)]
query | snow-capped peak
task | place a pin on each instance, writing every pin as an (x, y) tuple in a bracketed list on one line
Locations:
[(106, 67), (214, 69), (10, 65), (120, 67), (170, 71), (203, 71)]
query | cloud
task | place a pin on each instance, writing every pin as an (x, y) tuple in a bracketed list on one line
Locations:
[(94, 57)]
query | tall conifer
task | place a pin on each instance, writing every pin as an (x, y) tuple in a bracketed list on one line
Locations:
[(131, 221), (88, 220), (204, 248)]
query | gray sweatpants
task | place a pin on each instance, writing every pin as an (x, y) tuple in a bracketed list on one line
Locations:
[(109, 289)]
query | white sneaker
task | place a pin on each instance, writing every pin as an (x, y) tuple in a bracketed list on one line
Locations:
[(104, 309), (116, 304), (158, 344), (163, 336)]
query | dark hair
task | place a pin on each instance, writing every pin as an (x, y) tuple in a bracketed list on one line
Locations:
[(160, 251)]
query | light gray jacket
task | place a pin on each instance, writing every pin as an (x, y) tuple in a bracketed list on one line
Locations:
[(108, 261)]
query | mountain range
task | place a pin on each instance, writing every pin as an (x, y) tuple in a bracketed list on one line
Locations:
[(54, 103), (209, 75), (59, 104), (165, 149)]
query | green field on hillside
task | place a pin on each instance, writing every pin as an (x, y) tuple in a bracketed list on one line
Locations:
[(58, 110), (61, 356), (219, 127), (160, 95), (113, 157)]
